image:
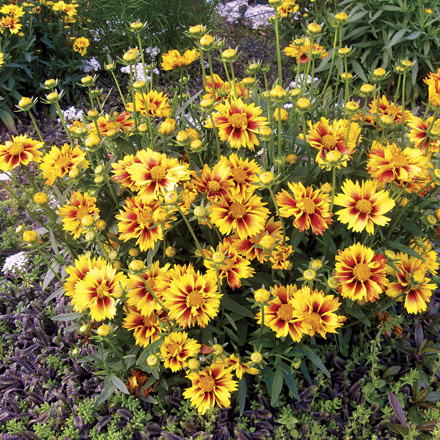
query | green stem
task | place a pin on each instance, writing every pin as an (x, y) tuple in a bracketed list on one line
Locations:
[(277, 38), (403, 108), (190, 229), (153, 294), (272, 196), (34, 122), (279, 130), (119, 89), (262, 320), (335, 40), (217, 140), (63, 122), (212, 77), (234, 82), (333, 187)]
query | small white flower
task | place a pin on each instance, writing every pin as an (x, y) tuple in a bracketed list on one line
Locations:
[(91, 65), (15, 262)]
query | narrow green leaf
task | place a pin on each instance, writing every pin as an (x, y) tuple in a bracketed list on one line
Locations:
[(242, 394), (359, 71), (397, 38), (57, 294), (107, 391), (118, 383), (277, 385), (67, 317), (314, 358), (290, 381), (403, 248), (233, 306), (231, 321)]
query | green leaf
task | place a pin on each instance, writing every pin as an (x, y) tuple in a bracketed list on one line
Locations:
[(403, 248), (67, 317), (397, 408), (397, 38), (359, 71), (231, 321), (307, 351), (290, 381), (277, 385), (108, 390), (414, 35), (242, 394), (8, 120), (118, 383), (57, 294), (233, 306)]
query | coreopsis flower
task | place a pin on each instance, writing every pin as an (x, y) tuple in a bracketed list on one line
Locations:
[(248, 246), (11, 23), (80, 45), (287, 8), (76, 208), (245, 216), (243, 174), (97, 292), (223, 89), (238, 123), (233, 268), (361, 273), (176, 349), (153, 103), (210, 387), (278, 315), (423, 246), (59, 162), (328, 137), (2, 60), (386, 108), (81, 267), (364, 206), (316, 311), (302, 50), (419, 134), (412, 283), (240, 367), (22, 150), (67, 8), (279, 257), (146, 328), (121, 172), (310, 208), (140, 295), (389, 163), (433, 81), (136, 222), (173, 60), (118, 122), (12, 10), (156, 174), (192, 298), (214, 183)]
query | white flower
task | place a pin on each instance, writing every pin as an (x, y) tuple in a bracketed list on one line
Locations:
[(91, 65), (138, 72), (15, 262), (294, 85), (4, 177), (72, 114)]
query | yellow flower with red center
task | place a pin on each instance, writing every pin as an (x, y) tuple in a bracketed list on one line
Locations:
[(118, 122), (310, 208), (176, 349), (76, 208), (386, 108), (192, 298), (233, 268), (223, 89), (96, 292), (59, 162), (328, 137), (301, 52), (214, 183), (287, 8), (146, 328), (67, 8), (11, 23), (361, 273), (122, 174), (153, 103), (238, 123), (389, 163), (12, 10), (80, 45), (136, 222), (140, 295), (155, 174), (279, 257), (79, 270), (210, 387), (173, 60), (248, 246), (316, 311), (411, 283), (433, 81), (364, 206), (278, 315), (244, 215), (243, 174), (240, 367), (419, 134), (22, 150)]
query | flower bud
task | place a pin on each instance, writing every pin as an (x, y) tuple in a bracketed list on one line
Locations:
[(199, 211), (278, 94), (193, 364), (30, 236), (167, 127), (92, 141), (196, 145), (326, 188), (137, 266), (87, 81), (256, 357), (218, 349), (170, 251), (197, 31), (182, 137), (207, 42), (74, 173), (267, 242), (316, 264), (309, 275), (101, 225), (112, 255), (265, 133), (333, 283), (87, 221), (130, 56), (53, 97), (218, 257), (139, 86), (25, 103), (261, 296), (291, 158), (314, 29), (93, 114), (366, 90), (352, 107), (50, 83), (275, 3), (280, 113), (103, 330), (303, 104), (229, 55), (341, 17), (266, 177), (41, 198), (207, 104), (171, 197), (136, 26), (152, 360), (431, 219)]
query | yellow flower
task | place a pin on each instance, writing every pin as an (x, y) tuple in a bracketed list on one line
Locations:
[(364, 206), (176, 349), (80, 45), (173, 60), (12, 10), (22, 150), (146, 329), (238, 123), (211, 386), (153, 103)]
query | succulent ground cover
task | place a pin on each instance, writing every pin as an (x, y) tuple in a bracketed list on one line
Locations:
[(70, 369)]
